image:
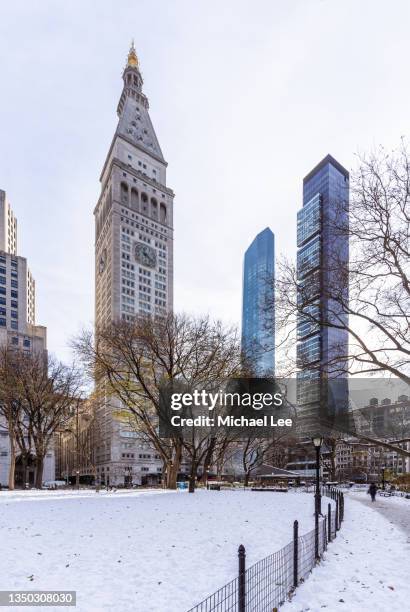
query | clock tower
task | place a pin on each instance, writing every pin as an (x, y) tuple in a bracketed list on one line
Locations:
[(133, 249)]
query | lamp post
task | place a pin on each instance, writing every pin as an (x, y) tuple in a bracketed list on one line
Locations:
[(77, 449), (317, 443)]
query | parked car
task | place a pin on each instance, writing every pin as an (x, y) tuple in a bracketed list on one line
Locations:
[(54, 484)]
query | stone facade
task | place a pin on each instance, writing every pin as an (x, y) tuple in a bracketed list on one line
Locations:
[(8, 226), (17, 321), (133, 260)]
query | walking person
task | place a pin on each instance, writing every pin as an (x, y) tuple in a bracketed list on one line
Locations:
[(372, 491)]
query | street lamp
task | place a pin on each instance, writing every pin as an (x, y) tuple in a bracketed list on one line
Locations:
[(317, 443)]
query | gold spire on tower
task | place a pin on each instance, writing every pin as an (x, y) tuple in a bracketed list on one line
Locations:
[(132, 60)]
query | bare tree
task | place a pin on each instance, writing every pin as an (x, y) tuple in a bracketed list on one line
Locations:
[(256, 450), (47, 392), (135, 359), (368, 300), (81, 435)]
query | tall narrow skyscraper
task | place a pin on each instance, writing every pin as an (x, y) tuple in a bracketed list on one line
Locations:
[(258, 313), (133, 256), (133, 216), (322, 263)]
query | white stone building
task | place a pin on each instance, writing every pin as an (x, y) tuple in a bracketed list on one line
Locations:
[(133, 259), (17, 325)]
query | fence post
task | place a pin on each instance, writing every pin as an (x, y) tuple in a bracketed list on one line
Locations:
[(342, 507), (241, 579), (295, 553), (324, 534), (329, 521), (337, 515)]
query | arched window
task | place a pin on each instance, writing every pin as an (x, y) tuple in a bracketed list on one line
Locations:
[(144, 203), (124, 193), (154, 209), (134, 199), (163, 213)]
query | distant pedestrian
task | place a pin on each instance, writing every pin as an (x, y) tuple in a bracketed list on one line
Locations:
[(372, 491)]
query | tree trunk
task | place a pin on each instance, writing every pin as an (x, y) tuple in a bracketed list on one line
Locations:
[(24, 468), (12, 468), (39, 472), (164, 482), (192, 477), (208, 459), (172, 474), (220, 466), (173, 467), (246, 481)]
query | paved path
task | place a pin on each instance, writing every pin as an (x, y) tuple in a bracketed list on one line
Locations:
[(396, 513), (364, 568)]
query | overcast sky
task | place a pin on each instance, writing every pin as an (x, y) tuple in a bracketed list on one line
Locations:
[(245, 97)]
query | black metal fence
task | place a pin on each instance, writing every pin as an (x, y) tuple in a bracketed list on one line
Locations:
[(267, 584)]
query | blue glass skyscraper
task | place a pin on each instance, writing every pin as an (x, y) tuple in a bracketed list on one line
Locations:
[(322, 264), (258, 314)]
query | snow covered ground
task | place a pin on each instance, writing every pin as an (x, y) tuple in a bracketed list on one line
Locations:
[(366, 567), (140, 551)]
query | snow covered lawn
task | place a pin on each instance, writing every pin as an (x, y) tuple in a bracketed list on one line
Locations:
[(140, 551), (365, 569)]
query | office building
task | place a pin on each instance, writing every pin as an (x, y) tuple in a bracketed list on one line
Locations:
[(322, 264), (258, 312), (133, 259), (18, 327)]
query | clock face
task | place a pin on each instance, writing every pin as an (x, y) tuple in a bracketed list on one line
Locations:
[(103, 261), (145, 255)]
